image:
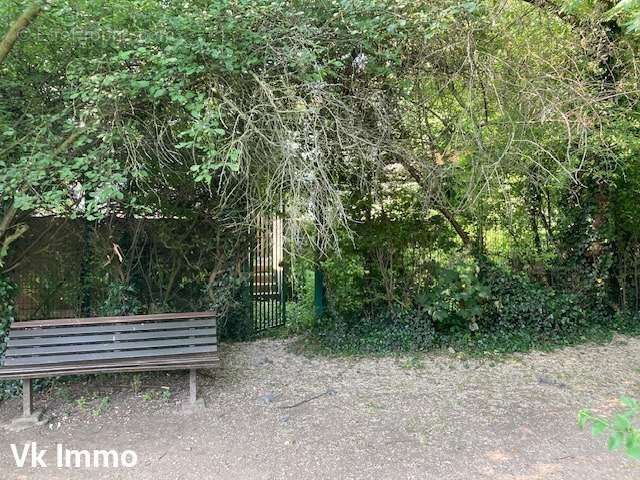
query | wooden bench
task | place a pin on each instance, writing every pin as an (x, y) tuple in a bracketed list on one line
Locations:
[(72, 346)]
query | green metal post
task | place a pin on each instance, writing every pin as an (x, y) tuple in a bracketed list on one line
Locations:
[(319, 299), (283, 292)]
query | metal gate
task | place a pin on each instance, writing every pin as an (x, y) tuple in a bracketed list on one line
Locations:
[(268, 275)]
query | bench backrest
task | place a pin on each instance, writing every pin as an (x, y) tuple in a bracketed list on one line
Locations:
[(78, 345)]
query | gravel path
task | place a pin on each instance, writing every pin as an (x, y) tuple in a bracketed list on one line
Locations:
[(273, 414)]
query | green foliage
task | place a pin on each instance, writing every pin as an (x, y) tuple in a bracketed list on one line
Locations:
[(164, 394), (230, 299), (518, 303), (456, 300), (345, 285), (396, 331), (7, 297), (378, 129), (300, 312), (120, 299), (8, 389), (102, 406), (622, 433), (478, 311), (629, 13)]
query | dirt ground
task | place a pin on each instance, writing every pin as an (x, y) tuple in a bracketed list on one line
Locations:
[(274, 414)]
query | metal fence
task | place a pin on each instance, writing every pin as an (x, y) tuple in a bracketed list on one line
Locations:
[(58, 264), (268, 274)]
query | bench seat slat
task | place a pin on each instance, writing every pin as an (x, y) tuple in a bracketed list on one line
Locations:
[(110, 346), (107, 337), (128, 327), (123, 362), (109, 367), (83, 357)]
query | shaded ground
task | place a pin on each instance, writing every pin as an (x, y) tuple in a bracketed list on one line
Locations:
[(274, 414)]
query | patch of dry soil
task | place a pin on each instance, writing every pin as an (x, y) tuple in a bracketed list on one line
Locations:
[(273, 414)]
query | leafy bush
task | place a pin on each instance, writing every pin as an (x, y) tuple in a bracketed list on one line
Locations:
[(300, 313), (11, 388), (477, 309), (518, 303), (300, 317), (7, 295), (229, 298), (397, 330), (622, 433), (455, 302), (120, 299), (345, 285)]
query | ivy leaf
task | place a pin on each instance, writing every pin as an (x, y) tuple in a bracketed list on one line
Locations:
[(633, 450), (583, 418), (629, 402), (621, 423), (615, 441), (599, 425)]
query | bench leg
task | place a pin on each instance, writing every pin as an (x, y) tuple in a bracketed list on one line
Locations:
[(194, 404), (29, 418), (27, 400), (193, 386)]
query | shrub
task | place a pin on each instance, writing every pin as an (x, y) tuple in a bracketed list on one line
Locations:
[(300, 313), (345, 285), (7, 313), (473, 307), (7, 295), (120, 299), (398, 330), (455, 301), (517, 303), (230, 299)]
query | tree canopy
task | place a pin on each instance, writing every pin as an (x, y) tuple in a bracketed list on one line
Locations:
[(488, 126)]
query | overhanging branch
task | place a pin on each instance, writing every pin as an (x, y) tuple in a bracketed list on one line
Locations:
[(444, 211), (22, 22)]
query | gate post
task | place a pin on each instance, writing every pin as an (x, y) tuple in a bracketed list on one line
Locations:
[(319, 300)]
